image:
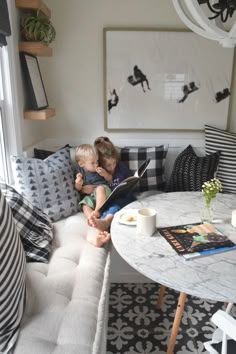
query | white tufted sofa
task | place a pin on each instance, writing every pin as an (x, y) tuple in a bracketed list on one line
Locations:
[(67, 299)]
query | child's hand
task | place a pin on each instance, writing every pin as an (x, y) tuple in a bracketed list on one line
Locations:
[(101, 171), (79, 181)]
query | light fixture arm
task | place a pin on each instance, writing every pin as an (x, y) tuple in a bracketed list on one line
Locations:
[(195, 18)]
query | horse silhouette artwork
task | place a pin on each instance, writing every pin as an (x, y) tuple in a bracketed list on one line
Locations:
[(113, 101), (219, 96), (187, 89), (138, 77)]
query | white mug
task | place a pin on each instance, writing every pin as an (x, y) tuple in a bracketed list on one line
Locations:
[(146, 221)]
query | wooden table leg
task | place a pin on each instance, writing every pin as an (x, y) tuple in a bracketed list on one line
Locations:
[(175, 327), (160, 296)]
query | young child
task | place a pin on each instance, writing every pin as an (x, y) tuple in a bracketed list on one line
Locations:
[(89, 180), (114, 171)]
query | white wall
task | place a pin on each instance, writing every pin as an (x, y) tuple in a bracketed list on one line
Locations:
[(73, 77), (31, 131)]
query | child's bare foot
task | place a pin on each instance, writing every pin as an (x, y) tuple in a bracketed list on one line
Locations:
[(99, 239), (95, 214), (101, 224)]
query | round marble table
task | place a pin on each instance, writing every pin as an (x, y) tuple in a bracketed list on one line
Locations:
[(212, 277)]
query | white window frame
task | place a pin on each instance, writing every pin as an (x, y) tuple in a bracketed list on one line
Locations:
[(11, 129)]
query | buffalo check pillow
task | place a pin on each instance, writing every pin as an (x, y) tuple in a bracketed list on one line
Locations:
[(12, 279), (225, 142), (33, 225), (154, 178), (48, 184)]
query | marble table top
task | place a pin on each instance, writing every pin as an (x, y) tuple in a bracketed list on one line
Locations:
[(212, 277)]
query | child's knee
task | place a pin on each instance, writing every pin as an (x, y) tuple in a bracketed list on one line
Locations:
[(100, 189)]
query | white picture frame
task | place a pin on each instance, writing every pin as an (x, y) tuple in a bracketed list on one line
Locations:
[(164, 80)]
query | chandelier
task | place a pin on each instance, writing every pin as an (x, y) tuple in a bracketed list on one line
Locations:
[(209, 18)]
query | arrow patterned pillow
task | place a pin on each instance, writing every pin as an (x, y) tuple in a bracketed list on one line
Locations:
[(48, 184)]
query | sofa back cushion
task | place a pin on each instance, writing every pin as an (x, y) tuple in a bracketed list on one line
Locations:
[(191, 171), (48, 184), (154, 178), (12, 278), (33, 225), (225, 142)]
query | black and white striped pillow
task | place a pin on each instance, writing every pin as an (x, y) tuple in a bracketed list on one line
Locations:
[(12, 278), (191, 171), (33, 225), (154, 178), (225, 142)]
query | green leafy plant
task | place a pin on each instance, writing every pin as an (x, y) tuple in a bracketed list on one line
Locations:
[(210, 190), (37, 27)]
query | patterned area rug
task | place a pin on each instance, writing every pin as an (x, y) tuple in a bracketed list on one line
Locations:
[(136, 326)]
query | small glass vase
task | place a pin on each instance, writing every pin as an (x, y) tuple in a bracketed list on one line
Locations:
[(206, 213)]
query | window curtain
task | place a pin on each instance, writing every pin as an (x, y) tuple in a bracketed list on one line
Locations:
[(5, 28)]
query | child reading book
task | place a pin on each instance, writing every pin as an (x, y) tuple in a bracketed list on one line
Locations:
[(114, 171)]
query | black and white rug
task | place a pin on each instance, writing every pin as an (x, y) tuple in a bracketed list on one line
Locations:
[(136, 326)]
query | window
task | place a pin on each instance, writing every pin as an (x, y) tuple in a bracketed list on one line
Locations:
[(10, 141), (3, 161)]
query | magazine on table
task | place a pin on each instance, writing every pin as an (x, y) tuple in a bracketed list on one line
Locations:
[(126, 186), (196, 240)]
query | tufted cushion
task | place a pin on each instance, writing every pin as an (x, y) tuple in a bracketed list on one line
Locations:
[(191, 171), (225, 142), (33, 225), (12, 278), (154, 178), (67, 298), (48, 184)]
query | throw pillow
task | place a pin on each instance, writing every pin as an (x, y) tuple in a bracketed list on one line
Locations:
[(48, 184), (153, 179), (225, 142), (33, 226), (12, 278), (191, 171), (43, 154)]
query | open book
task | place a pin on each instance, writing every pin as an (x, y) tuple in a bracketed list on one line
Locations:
[(197, 239), (126, 186)]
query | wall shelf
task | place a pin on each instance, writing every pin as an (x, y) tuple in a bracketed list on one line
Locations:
[(35, 48), (38, 49), (33, 5), (42, 114)]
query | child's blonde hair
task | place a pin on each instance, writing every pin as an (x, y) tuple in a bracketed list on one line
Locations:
[(85, 150)]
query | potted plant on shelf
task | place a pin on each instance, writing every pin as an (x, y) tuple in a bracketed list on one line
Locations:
[(37, 28)]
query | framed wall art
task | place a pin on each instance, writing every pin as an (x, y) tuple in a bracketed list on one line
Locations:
[(34, 83), (165, 80)]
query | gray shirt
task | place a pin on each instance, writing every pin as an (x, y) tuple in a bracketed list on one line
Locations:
[(91, 177)]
